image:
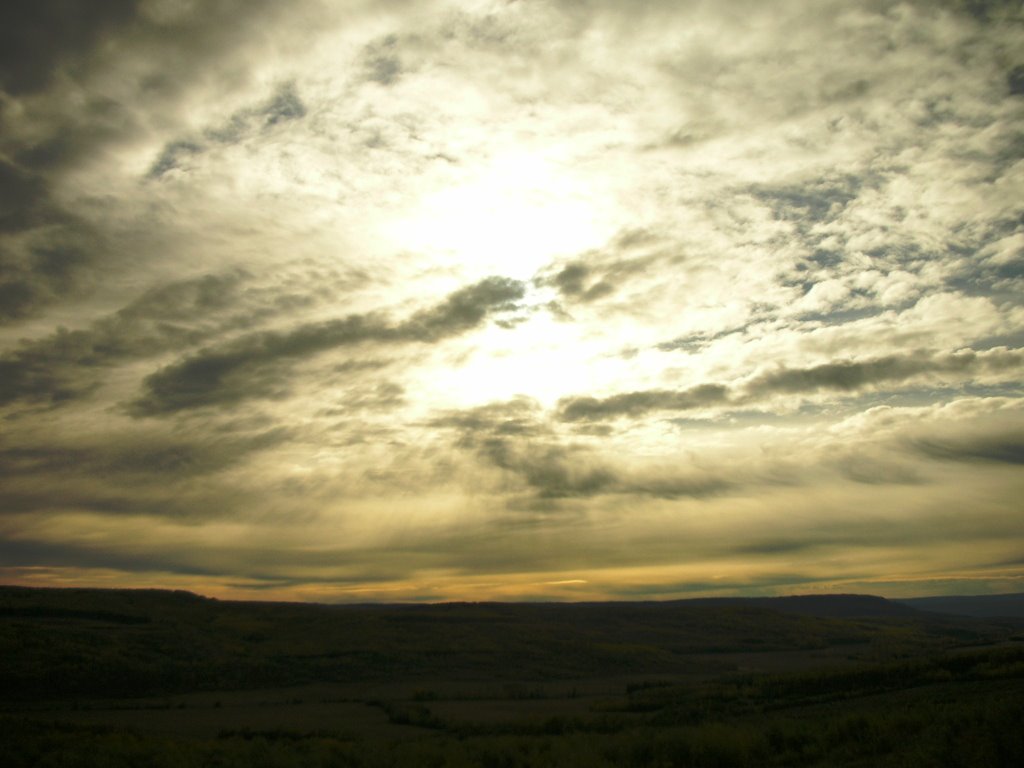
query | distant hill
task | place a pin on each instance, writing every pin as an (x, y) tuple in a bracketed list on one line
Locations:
[(981, 606), (144, 642), (825, 606)]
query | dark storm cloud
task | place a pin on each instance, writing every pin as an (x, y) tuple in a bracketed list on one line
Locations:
[(68, 364), (256, 365)]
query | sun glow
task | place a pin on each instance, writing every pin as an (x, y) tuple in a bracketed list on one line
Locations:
[(541, 358), (508, 217)]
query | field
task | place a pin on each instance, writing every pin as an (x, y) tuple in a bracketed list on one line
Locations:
[(125, 678)]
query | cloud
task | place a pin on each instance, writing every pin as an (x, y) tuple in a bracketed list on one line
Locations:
[(256, 365), (599, 274), (845, 376), (381, 61), (635, 404), (1001, 448), (552, 471), (171, 156), (19, 189), (69, 364), (79, 82), (856, 375), (518, 438), (45, 251), (520, 416), (463, 309), (233, 218), (36, 39), (284, 106), (143, 457), (810, 203), (168, 46)]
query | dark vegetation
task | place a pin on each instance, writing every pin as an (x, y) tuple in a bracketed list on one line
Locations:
[(991, 606), (134, 677)]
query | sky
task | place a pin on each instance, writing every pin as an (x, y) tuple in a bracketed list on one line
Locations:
[(380, 300)]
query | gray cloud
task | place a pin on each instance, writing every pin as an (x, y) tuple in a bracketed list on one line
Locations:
[(866, 468), (517, 437), (576, 281), (19, 190), (45, 251), (68, 364), (844, 376), (600, 274), (134, 458), (62, 109), (1015, 80), (634, 404), (171, 156), (517, 417), (256, 365), (1001, 448), (173, 44), (81, 555), (812, 202), (553, 471), (462, 310), (851, 376), (37, 38), (285, 105), (381, 61)]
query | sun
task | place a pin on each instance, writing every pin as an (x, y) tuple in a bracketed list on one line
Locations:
[(508, 216)]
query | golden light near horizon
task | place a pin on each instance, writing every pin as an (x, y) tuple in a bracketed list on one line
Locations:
[(456, 300)]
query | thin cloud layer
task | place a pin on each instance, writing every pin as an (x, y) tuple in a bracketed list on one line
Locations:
[(483, 300)]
